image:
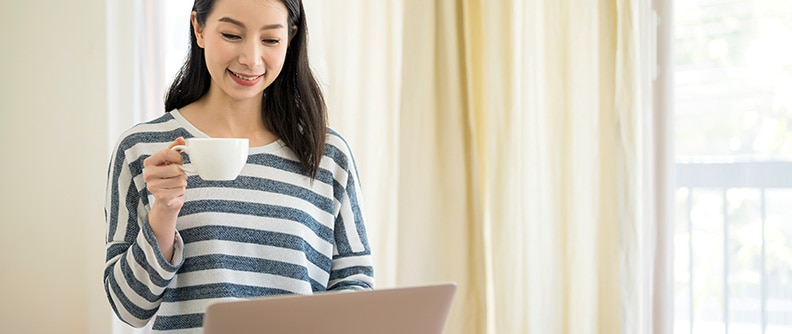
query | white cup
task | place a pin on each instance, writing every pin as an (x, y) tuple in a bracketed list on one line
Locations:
[(217, 159)]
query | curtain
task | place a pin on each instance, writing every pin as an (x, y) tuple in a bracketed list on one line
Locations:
[(355, 49), (545, 130), (136, 53), (503, 145)]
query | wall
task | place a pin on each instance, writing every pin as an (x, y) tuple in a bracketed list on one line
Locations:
[(54, 151)]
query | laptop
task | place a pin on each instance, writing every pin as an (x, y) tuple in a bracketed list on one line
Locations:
[(415, 310)]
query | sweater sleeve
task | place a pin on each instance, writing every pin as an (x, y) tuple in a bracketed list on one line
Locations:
[(352, 267), (136, 273)]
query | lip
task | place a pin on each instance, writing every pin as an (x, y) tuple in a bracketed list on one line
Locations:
[(245, 79)]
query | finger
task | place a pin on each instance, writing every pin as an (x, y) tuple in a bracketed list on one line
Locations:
[(178, 141), (174, 154), (164, 182), (168, 169), (166, 172), (164, 157), (178, 183)]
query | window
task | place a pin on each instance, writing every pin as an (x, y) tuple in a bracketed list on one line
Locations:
[(733, 142)]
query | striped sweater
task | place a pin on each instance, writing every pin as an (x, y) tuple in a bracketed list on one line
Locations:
[(271, 231)]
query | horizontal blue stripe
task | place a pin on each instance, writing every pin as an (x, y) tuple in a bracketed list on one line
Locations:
[(267, 185), (218, 290), (258, 237), (275, 161), (243, 263), (351, 271), (287, 165), (186, 321), (166, 136), (258, 210), (350, 285)]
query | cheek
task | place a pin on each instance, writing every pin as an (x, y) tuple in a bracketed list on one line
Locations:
[(219, 51), (276, 58), (212, 56)]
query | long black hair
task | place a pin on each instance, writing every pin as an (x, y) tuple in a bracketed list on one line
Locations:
[(293, 106)]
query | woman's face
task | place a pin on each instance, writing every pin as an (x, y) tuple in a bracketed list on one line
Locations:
[(245, 45)]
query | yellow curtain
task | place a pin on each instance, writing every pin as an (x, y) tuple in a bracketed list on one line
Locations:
[(498, 143), (534, 161)]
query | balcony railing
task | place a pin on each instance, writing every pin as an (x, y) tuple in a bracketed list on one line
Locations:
[(733, 240)]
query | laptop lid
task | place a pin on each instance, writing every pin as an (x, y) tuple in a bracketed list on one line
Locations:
[(415, 310)]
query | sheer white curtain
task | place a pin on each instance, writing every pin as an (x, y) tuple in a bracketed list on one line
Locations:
[(146, 44), (355, 48)]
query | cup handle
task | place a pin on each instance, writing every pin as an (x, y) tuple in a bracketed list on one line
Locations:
[(185, 149)]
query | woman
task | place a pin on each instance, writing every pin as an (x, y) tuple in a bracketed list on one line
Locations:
[(290, 223)]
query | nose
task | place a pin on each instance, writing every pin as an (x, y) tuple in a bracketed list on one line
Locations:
[(251, 54)]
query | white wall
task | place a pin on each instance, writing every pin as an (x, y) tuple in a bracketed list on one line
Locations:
[(53, 154)]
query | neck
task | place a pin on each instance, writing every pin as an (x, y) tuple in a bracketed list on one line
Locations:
[(230, 119)]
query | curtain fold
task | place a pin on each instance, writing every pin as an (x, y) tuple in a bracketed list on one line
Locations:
[(355, 47), (551, 152), (439, 232)]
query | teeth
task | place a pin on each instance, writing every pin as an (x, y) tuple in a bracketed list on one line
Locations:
[(244, 77)]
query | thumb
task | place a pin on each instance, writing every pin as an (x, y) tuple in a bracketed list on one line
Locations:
[(176, 155)]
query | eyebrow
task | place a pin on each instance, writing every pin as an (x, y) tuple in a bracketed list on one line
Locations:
[(242, 25)]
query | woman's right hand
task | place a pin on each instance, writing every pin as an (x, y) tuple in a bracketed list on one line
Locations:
[(164, 179), (167, 182)]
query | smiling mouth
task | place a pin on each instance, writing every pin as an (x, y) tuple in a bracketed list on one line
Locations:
[(244, 77)]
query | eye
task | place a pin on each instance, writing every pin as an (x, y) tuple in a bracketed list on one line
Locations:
[(230, 37), (271, 41)]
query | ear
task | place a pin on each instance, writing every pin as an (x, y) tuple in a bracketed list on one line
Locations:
[(197, 29), (293, 32)]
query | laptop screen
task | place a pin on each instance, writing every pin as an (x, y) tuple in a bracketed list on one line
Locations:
[(417, 310)]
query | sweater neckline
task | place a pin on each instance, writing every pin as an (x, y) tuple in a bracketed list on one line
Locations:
[(197, 133)]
